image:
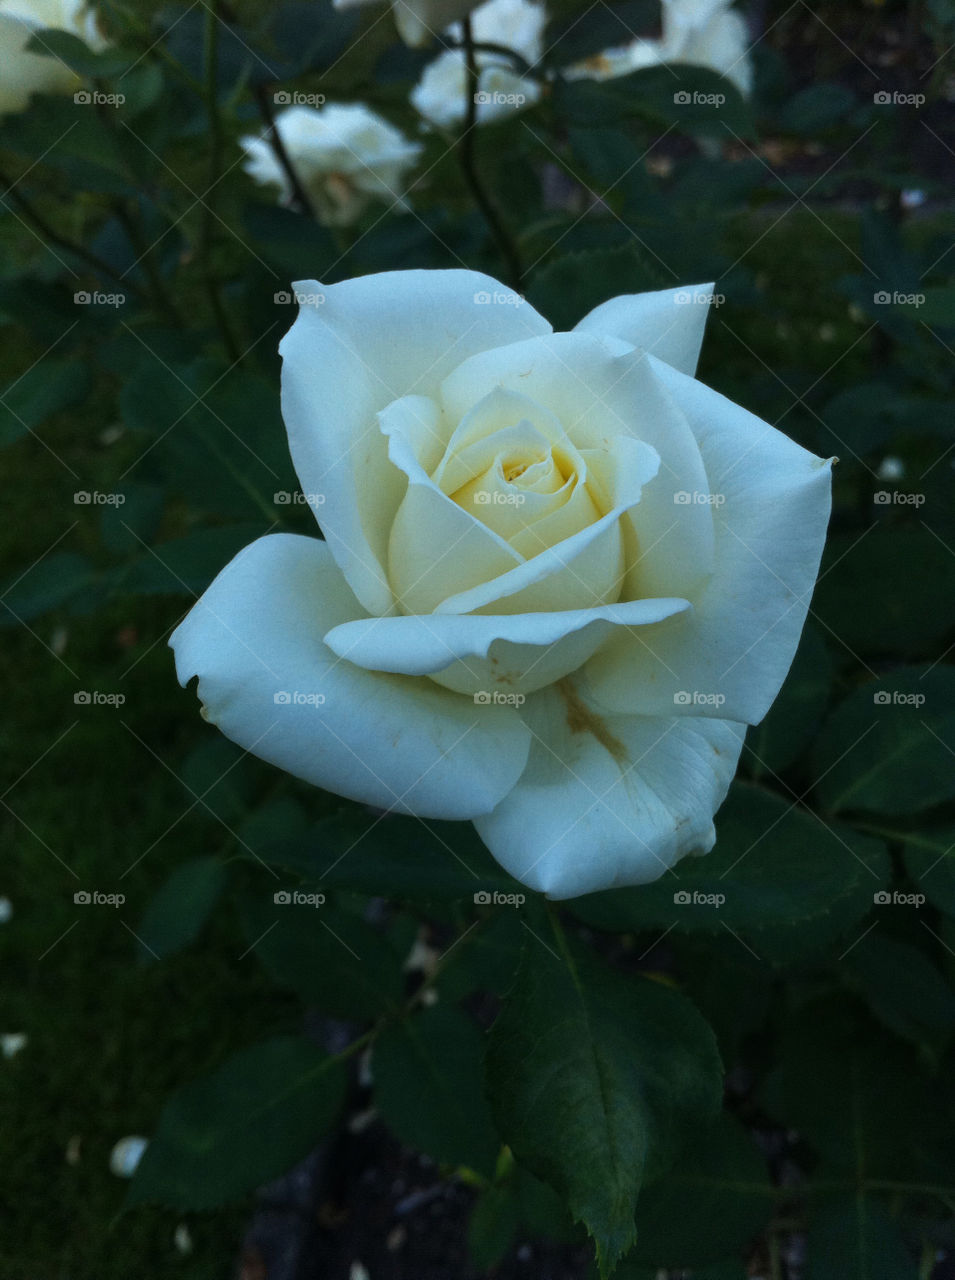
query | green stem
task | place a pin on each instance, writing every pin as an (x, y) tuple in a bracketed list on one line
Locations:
[(299, 194), (505, 244)]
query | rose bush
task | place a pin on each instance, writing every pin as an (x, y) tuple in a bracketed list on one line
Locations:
[(344, 154), (419, 21), (559, 576), (22, 72)]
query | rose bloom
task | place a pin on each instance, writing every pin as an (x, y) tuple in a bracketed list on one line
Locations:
[(703, 33), (559, 577), (419, 21), (442, 92), (23, 73), (345, 156)]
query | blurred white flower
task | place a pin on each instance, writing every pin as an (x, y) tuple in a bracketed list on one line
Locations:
[(891, 468), (23, 73), (345, 155), (6, 910), (441, 93), (703, 33), (12, 1042), (418, 21), (126, 1155)]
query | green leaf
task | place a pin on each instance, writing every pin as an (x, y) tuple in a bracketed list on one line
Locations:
[(888, 748), (177, 913), (429, 1087), (133, 518), (395, 856), (916, 610), (186, 566), (68, 48), (298, 247), (904, 990), (566, 288), (857, 1240), (52, 582), (596, 1080), (330, 959), (816, 108), (248, 1122), (795, 715), (779, 877), (216, 773), (47, 388), (712, 1203), (930, 862)]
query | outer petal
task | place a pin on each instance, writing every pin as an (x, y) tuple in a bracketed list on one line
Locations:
[(729, 657), (254, 640), (420, 21), (668, 323), (514, 652), (612, 801), (370, 341)]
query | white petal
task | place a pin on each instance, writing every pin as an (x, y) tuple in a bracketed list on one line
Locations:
[(370, 341), (611, 801), (515, 652), (271, 685), (668, 323), (729, 657)]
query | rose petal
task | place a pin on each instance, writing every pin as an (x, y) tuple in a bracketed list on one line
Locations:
[(369, 342), (611, 801), (392, 741), (514, 652), (668, 323), (729, 657)]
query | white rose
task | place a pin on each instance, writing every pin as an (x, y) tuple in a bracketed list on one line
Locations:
[(23, 73), (559, 575), (419, 21), (441, 93), (344, 156), (703, 33)]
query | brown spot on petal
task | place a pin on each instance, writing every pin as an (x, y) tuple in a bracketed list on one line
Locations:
[(580, 719)]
